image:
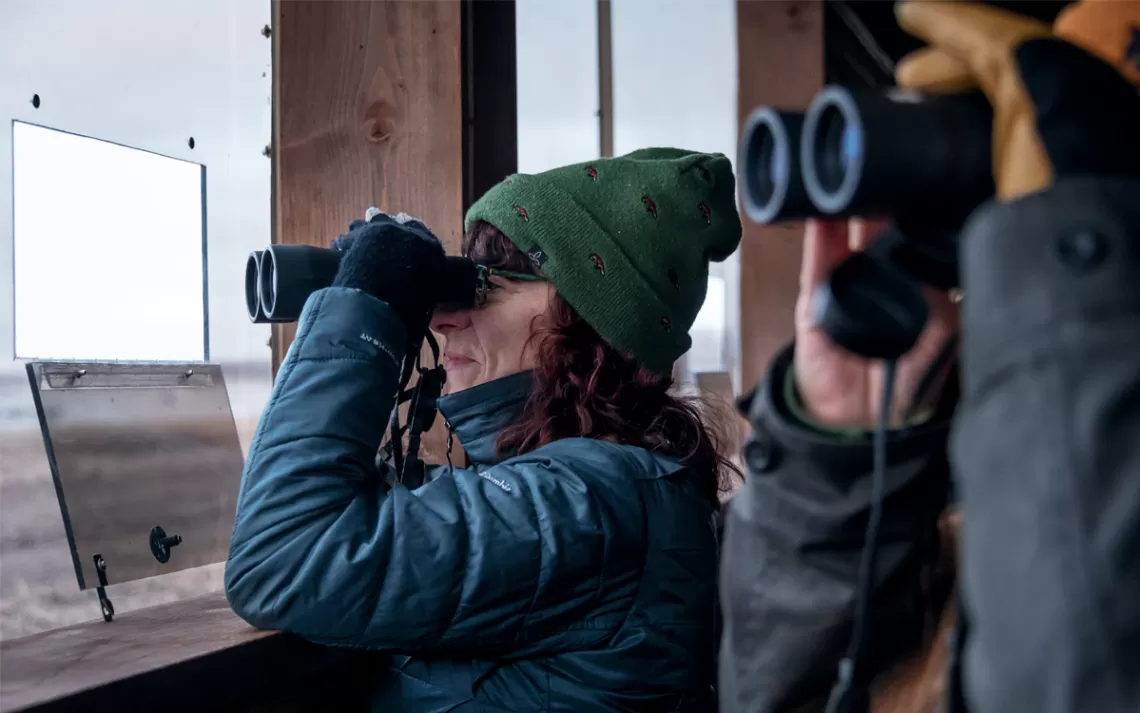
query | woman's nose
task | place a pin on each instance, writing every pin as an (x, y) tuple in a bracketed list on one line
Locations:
[(444, 322)]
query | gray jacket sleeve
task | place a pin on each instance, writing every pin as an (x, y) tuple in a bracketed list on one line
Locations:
[(792, 546), (1047, 451)]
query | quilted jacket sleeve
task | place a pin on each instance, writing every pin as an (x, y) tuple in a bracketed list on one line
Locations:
[(496, 562)]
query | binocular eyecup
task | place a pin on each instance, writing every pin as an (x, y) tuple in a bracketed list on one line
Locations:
[(867, 154), (280, 278), (771, 180)]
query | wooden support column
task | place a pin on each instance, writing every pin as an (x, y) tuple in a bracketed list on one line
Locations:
[(367, 111), (781, 63), (406, 105), (182, 657)]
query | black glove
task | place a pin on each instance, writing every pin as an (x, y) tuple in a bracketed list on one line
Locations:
[(396, 260)]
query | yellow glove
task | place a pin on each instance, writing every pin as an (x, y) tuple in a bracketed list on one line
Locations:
[(1110, 29), (1058, 110)]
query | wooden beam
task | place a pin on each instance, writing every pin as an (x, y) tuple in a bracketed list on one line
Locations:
[(192, 655), (781, 62), (367, 111)]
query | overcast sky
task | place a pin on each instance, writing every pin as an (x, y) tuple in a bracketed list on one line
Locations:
[(153, 74)]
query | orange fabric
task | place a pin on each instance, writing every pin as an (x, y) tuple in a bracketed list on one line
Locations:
[(970, 40), (1109, 29)]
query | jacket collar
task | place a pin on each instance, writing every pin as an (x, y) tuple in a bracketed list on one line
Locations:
[(479, 414)]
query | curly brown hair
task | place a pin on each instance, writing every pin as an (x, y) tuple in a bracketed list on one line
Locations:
[(583, 387)]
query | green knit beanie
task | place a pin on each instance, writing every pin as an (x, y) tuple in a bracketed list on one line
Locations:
[(626, 241)]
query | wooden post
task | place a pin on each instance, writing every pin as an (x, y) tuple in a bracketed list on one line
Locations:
[(367, 111), (375, 103), (781, 62)]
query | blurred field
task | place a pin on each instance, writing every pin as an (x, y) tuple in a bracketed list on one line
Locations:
[(38, 587)]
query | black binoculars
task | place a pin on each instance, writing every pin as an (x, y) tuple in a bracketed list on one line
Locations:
[(280, 278), (868, 154), (925, 163)]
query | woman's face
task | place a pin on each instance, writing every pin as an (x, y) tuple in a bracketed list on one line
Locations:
[(494, 340)]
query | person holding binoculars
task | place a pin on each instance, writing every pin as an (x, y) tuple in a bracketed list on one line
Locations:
[(573, 565), (837, 580)]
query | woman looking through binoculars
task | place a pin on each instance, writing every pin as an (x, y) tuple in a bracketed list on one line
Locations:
[(573, 566)]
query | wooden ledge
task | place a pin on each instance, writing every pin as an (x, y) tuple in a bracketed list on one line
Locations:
[(192, 655)]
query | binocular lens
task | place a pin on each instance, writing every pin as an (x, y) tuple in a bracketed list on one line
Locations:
[(772, 188), (838, 151), (831, 150), (775, 154), (267, 284), (252, 300), (771, 159)]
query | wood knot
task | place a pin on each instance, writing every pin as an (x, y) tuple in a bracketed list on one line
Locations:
[(380, 120), (799, 16)]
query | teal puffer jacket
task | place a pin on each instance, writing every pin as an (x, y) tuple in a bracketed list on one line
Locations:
[(578, 577)]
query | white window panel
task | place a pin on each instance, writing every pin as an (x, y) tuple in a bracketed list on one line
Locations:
[(557, 50), (109, 250)]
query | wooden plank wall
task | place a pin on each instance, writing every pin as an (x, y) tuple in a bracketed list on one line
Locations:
[(781, 62), (367, 111), (374, 104), (191, 655)]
